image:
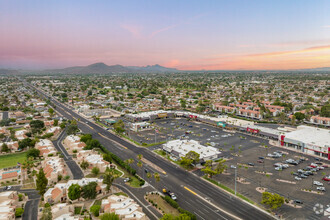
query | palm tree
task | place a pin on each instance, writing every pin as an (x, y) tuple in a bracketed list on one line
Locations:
[(149, 175), (157, 178), (140, 156), (130, 161)]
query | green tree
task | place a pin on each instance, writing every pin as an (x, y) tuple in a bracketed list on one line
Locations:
[(109, 177), (84, 165), (107, 157), (55, 122), (33, 152), (91, 144), (95, 209), (4, 148), (74, 192), (299, 116), (72, 129), (86, 137), (274, 201), (191, 158), (119, 126), (25, 143), (89, 191), (95, 171), (109, 216), (51, 111), (36, 126), (41, 182), (325, 111), (47, 214), (19, 212)]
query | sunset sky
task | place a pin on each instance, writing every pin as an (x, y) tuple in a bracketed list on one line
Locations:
[(188, 35)]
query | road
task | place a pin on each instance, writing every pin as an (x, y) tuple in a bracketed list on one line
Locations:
[(75, 169), (202, 198), (31, 206)]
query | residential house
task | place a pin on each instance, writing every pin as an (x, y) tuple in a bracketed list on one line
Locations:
[(123, 206), (53, 167)]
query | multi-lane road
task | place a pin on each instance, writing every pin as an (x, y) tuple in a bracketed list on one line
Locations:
[(202, 198)]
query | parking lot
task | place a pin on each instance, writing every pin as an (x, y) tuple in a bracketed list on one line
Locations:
[(241, 149)]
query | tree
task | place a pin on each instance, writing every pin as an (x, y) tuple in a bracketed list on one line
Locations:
[(4, 148), (157, 177), (191, 158), (41, 182), (33, 152), (95, 171), (84, 165), (109, 177), (182, 216), (55, 122), (47, 214), (72, 129), (274, 201), (74, 192), (85, 138), (325, 111), (95, 209), (36, 126), (140, 156), (129, 161), (91, 144), (51, 111), (299, 116), (19, 212), (89, 191), (109, 216), (25, 143), (220, 167), (107, 157), (119, 126)]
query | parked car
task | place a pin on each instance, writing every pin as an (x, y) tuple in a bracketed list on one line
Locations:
[(9, 188), (318, 183), (325, 166), (321, 188), (298, 201), (295, 174), (303, 176), (278, 168), (326, 178), (269, 155), (297, 178), (320, 168), (300, 171), (127, 179), (261, 158), (260, 161), (251, 164)]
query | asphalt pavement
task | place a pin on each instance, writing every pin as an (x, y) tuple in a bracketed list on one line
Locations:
[(73, 166), (194, 194)]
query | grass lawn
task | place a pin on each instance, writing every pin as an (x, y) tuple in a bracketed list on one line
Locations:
[(10, 160), (162, 204), (121, 194)]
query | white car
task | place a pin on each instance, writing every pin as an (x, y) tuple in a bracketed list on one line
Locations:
[(321, 188), (269, 155), (320, 168), (297, 178), (9, 187), (278, 168), (318, 183)]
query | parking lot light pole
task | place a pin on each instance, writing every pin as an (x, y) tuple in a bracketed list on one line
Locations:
[(234, 167)]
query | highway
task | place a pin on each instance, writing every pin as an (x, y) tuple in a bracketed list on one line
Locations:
[(202, 198)]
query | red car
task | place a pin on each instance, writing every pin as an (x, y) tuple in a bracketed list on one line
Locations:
[(326, 178), (325, 166), (260, 161)]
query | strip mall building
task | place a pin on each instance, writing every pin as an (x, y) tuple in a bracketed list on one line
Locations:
[(309, 140)]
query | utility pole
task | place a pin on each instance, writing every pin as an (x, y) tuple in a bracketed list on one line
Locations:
[(234, 167)]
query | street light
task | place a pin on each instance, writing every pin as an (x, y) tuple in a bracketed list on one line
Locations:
[(234, 167)]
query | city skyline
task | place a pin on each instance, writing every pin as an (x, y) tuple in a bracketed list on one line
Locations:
[(187, 35)]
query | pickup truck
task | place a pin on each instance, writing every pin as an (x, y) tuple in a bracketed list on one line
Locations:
[(170, 194)]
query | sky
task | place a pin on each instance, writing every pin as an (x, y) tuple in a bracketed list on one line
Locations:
[(185, 34)]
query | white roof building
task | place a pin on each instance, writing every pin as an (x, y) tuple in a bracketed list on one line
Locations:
[(179, 148), (310, 140)]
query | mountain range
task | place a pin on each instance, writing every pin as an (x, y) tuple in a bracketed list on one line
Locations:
[(101, 68)]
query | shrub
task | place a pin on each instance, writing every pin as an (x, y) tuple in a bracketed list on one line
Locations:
[(19, 212), (20, 197), (95, 209)]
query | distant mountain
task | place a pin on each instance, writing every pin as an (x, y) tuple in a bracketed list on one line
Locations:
[(321, 69), (101, 68)]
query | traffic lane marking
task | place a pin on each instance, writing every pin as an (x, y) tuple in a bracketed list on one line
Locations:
[(112, 140), (227, 213), (190, 190)]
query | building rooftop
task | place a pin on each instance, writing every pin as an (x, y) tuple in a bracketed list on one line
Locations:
[(310, 135)]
